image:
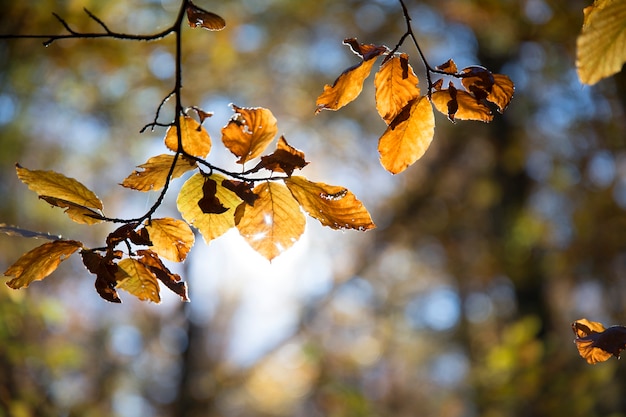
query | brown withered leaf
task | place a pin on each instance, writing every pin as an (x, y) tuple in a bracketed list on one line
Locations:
[(171, 238), (408, 136), (274, 223), (349, 84), (135, 278), (284, 159), (477, 80), (195, 139), (460, 105), (209, 225), (79, 214), (597, 344), (209, 203), (40, 262), (396, 86), (154, 172), (334, 206), (249, 131), (127, 232), (169, 279), (243, 190), (105, 270), (202, 115), (198, 17), (449, 67), (501, 92)]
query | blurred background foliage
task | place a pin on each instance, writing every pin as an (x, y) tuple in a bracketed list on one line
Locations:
[(458, 304)]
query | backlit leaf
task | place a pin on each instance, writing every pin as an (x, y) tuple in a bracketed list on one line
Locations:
[(449, 67), (172, 281), (249, 131), (242, 189), (40, 262), (408, 136), (601, 45), (198, 17), (332, 205), (135, 278), (274, 223), (597, 344), (396, 86), (105, 271), (501, 92), (478, 81), (171, 238), (209, 225), (76, 212), (460, 105), (195, 139), (154, 172), (58, 186), (285, 158)]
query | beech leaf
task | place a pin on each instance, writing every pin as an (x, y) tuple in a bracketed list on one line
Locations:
[(396, 86), (171, 238), (40, 262), (105, 271), (154, 172), (243, 190), (249, 131), (460, 105), (449, 67), (135, 278), (76, 212), (195, 139), (597, 344), (172, 281), (478, 81), (274, 223), (198, 17), (284, 159), (501, 92), (408, 136), (332, 205)]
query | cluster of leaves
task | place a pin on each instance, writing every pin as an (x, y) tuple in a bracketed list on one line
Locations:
[(597, 344)]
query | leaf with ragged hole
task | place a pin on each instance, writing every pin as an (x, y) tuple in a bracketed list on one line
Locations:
[(40, 262), (135, 278), (79, 214), (408, 136), (171, 238), (153, 175), (209, 225), (601, 45), (105, 271), (172, 281), (349, 84), (396, 86), (198, 17), (284, 159), (597, 344), (209, 203), (274, 223), (249, 131), (457, 104), (334, 206), (194, 137)]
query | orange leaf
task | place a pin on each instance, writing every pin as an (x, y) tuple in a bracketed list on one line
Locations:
[(274, 223), (135, 278), (449, 67), (171, 238), (195, 139), (76, 212), (285, 158), (200, 17), (333, 206), (460, 105), (597, 344), (408, 136), (40, 262), (501, 92), (172, 281), (396, 86), (478, 81), (249, 132), (155, 172)]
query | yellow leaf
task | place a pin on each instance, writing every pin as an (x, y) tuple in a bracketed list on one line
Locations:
[(597, 344), (77, 213), (210, 225), (408, 137), (171, 238), (249, 132), (396, 86), (58, 186), (40, 262), (460, 105), (501, 92), (155, 172), (332, 205), (136, 279), (196, 140), (274, 223), (601, 45)]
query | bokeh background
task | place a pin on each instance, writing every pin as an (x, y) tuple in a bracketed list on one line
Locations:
[(459, 304)]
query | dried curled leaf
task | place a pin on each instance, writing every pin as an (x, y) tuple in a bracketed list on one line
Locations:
[(154, 172), (135, 278), (274, 223), (198, 17), (332, 205), (172, 281), (597, 344), (408, 136), (285, 158), (478, 81), (195, 139), (40, 262), (79, 214), (449, 67), (105, 270), (249, 131), (171, 238), (601, 45), (396, 86), (243, 190)]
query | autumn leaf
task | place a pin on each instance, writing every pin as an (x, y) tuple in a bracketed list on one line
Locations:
[(249, 131), (349, 84), (195, 139), (198, 17), (210, 226), (40, 262), (274, 223), (597, 344), (332, 205), (408, 136), (243, 190), (172, 281), (449, 67), (154, 172), (285, 158), (78, 213), (460, 105), (105, 271), (128, 232), (171, 238), (396, 86), (209, 203), (135, 278), (478, 81), (601, 45)]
